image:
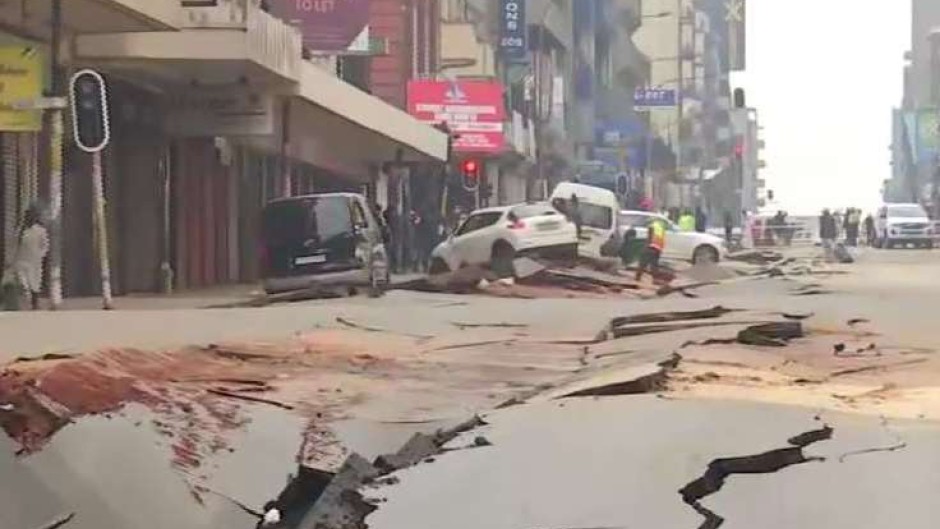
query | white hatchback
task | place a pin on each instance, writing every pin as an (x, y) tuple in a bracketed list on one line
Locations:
[(680, 245), (496, 236)]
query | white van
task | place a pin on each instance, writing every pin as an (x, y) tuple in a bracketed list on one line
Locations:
[(599, 210)]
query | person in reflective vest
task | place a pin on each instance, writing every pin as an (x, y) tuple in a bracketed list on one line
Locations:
[(654, 249)]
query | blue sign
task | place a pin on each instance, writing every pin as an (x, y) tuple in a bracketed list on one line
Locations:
[(513, 31), (645, 98)]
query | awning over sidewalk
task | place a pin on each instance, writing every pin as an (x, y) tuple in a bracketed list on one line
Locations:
[(31, 17), (351, 123)]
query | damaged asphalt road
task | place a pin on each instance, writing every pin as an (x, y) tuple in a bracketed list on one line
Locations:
[(608, 407), (619, 462)]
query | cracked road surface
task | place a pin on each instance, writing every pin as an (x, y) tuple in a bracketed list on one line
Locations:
[(600, 410)]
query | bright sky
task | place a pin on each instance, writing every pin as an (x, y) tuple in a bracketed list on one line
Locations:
[(824, 76)]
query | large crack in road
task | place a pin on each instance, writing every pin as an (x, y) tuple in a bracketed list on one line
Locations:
[(765, 463)]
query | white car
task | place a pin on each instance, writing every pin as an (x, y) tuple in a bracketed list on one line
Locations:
[(680, 245), (496, 236), (902, 224)]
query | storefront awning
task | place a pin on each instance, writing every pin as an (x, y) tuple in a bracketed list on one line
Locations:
[(30, 18), (352, 123)]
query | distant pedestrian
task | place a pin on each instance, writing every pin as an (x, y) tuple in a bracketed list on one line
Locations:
[(853, 222), (574, 214), (30, 252), (701, 220), (687, 221), (728, 222), (655, 245), (870, 234), (828, 232)]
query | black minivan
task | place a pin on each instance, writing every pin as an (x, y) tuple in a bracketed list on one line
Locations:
[(331, 240)]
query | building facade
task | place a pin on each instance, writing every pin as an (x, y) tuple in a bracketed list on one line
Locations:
[(216, 108)]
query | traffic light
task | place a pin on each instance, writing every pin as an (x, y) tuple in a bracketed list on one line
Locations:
[(470, 171), (739, 98), (89, 103)]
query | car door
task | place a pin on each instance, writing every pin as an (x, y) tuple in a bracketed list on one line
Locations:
[(678, 243), (473, 241)]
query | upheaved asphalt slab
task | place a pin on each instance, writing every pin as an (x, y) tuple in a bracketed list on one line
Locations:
[(620, 462), (116, 473)]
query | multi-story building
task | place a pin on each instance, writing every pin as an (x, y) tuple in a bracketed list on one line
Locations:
[(216, 107), (916, 123)]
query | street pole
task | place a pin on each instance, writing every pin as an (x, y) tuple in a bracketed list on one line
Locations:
[(537, 93), (101, 231), (679, 86), (56, 122)]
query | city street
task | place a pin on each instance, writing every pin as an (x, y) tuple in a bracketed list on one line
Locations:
[(219, 405)]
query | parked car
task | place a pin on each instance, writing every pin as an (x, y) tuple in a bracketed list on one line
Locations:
[(496, 236), (903, 224), (680, 245), (329, 240), (598, 209)]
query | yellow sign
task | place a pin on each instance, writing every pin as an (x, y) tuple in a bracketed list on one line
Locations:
[(20, 83)]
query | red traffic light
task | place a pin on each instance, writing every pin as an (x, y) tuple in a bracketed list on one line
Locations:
[(470, 167)]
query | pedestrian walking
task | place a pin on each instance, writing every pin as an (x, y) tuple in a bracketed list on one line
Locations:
[(728, 222), (870, 234), (853, 222), (828, 232), (655, 245), (31, 250), (701, 220), (574, 214)]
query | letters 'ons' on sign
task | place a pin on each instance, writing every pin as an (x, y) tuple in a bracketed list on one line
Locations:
[(512, 29)]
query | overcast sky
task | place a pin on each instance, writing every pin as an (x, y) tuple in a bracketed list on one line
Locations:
[(824, 75)]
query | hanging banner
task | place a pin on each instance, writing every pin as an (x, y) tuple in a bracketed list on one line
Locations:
[(513, 31), (334, 26), (473, 110), (20, 85)]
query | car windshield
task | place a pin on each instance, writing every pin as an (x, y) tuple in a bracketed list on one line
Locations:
[(906, 212), (533, 210)]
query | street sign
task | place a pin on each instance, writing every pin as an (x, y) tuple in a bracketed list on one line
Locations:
[(650, 98), (41, 103), (20, 79), (513, 30)]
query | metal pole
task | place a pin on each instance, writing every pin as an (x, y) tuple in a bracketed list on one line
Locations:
[(55, 165), (679, 85), (537, 89), (101, 231)]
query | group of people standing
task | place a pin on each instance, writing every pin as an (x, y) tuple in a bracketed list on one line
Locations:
[(847, 225)]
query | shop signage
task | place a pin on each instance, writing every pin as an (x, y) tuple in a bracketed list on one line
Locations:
[(513, 30), (21, 83), (648, 98), (223, 113), (335, 26), (474, 110)]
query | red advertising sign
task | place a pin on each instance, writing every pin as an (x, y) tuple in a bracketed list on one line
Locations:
[(326, 25), (474, 110)]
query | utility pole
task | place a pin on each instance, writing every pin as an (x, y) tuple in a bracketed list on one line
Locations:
[(679, 85), (55, 163)]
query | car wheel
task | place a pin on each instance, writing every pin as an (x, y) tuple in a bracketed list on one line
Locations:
[(438, 266), (502, 258), (704, 255)]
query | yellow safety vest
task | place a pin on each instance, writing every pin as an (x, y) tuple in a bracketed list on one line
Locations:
[(657, 235)]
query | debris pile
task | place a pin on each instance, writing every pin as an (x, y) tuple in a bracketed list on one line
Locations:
[(539, 279)]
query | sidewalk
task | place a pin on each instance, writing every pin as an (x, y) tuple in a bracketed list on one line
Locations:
[(218, 296)]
